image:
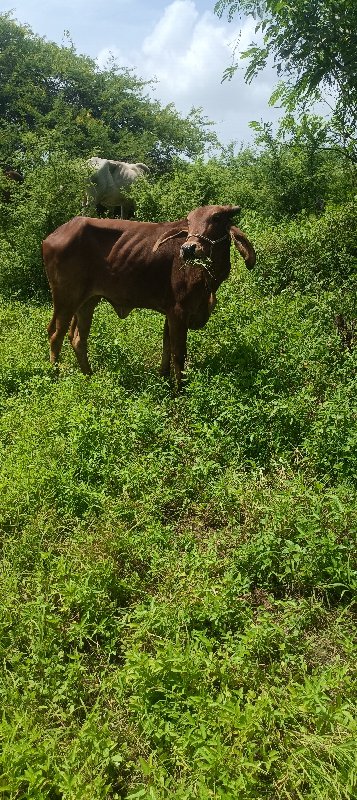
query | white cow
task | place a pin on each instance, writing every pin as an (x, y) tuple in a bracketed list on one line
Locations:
[(110, 181)]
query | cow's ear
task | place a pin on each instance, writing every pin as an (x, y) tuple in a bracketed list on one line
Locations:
[(171, 233), (244, 246), (233, 210)]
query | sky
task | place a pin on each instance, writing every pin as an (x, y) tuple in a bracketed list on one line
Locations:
[(182, 44)]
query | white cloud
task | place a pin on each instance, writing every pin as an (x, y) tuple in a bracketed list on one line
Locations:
[(187, 52), (170, 34)]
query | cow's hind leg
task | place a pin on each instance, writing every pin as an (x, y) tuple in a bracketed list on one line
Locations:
[(166, 352), (79, 332)]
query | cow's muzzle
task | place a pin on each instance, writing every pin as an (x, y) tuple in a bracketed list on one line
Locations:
[(193, 251), (188, 251)]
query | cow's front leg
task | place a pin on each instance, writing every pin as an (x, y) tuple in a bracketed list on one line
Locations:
[(166, 352), (178, 342)]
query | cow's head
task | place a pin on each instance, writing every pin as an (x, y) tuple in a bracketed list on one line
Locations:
[(208, 227), (143, 168)]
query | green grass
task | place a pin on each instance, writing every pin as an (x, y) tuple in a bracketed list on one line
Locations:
[(178, 573)]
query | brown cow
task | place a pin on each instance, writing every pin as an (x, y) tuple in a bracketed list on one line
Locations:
[(11, 175), (172, 267)]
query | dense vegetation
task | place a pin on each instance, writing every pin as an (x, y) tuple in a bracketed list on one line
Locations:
[(51, 97), (178, 573)]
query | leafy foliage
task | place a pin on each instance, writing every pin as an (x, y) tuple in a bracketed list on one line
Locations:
[(52, 92), (310, 252), (279, 177), (312, 43), (53, 191)]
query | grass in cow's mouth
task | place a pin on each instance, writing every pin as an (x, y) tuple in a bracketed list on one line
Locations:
[(197, 262)]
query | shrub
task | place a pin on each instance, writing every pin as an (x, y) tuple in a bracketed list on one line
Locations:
[(52, 193), (307, 253)]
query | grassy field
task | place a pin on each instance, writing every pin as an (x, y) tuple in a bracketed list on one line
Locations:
[(178, 573)]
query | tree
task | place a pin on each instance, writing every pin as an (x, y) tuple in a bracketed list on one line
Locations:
[(313, 44), (51, 91)]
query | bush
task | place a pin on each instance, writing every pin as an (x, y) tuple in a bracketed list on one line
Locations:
[(307, 253), (173, 195), (52, 193)]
